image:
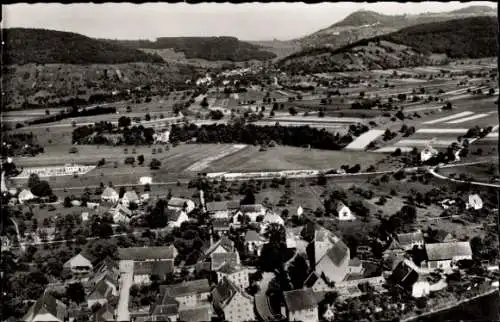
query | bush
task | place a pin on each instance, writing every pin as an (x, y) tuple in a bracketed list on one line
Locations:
[(155, 164), (73, 149)]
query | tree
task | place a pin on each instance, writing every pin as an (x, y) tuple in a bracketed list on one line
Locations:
[(140, 159), (42, 189), (298, 271), (76, 292), (129, 160), (249, 198), (292, 111), (101, 162), (124, 121), (147, 117), (121, 192), (155, 164), (204, 102), (321, 179), (67, 202), (33, 180)]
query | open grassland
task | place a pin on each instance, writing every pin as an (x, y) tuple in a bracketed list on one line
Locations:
[(290, 158)]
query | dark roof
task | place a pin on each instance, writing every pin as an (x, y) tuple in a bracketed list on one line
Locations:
[(160, 268), (143, 253), (225, 242), (223, 292), (251, 208), (220, 259), (185, 288), (355, 262), (196, 314), (172, 214), (230, 268), (311, 279), (233, 204), (404, 275), (167, 306), (252, 236), (445, 251), (301, 299), (217, 206), (46, 304), (338, 252), (177, 202), (104, 314)]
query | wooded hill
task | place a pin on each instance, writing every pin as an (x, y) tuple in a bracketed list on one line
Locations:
[(474, 37), (23, 46), (208, 48)]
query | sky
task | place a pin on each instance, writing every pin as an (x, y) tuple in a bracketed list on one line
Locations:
[(251, 21)]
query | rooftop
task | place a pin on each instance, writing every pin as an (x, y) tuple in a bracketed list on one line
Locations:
[(144, 253), (445, 251), (196, 314), (185, 288), (301, 299)]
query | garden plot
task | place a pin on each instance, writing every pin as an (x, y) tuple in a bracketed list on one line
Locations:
[(364, 139), (391, 149), (204, 163), (443, 131), (449, 117), (469, 118), (424, 142)]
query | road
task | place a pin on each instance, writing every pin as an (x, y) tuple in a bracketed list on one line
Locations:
[(126, 280), (475, 183)]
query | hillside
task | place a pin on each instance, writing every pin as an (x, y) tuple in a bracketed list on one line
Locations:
[(41, 46), (367, 24), (208, 48), (461, 38)]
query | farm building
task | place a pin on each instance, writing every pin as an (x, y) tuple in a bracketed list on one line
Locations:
[(427, 154), (188, 293), (46, 308), (25, 195), (145, 180), (103, 291), (404, 276), (272, 218), (121, 214), (239, 275), (199, 313), (218, 209), (252, 211), (475, 202), (253, 241), (343, 212), (407, 241), (109, 194), (446, 255)]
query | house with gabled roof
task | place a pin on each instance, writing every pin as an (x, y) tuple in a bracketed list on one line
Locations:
[(143, 270), (301, 305), (335, 263), (46, 308), (79, 264), (218, 209), (220, 259), (254, 242), (130, 197), (25, 195), (176, 217), (223, 245), (317, 282), (110, 195), (188, 293), (475, 202), (343, 212), (160, 253), (237, 274), (446, 255), (252, 211), (121, 214), (104, 314), (404, 276), (232, 303)]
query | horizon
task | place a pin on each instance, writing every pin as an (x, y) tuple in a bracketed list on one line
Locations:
[(247, 22)]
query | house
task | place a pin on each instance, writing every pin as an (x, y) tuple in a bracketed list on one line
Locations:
[(110, 195), (102, 292), (201, 313), (421, 288), (343, 212), (149, 260), (407, 241), (220, 259), (428, 153), (46, 308), (355, 267), (252, 211), (475, 202), (301, 305), (85, 216), (446, 255), (189, 293), (335, 263), (238, 275), (145, 180), (272, 218), (25, 195), (144, 197), (218, 209), (446, 203), (223, 245), (329, 314), (121, 214), (165, 309), (130, 197), (162, 137), (181, 204), (176, 217), (404, 276), (92, 205), (221, 226), (254, 242), (78, 264), (232, 303)]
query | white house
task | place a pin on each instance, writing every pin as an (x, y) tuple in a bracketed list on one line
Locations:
[(236, 305), (85, 216), (239, 275), (427, 154), (421, 288), (25, 195), (475, 202), (273, 218), (145, 180), (343, 212), (252, 211), (162, 137), (300, 211)]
